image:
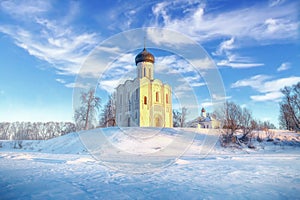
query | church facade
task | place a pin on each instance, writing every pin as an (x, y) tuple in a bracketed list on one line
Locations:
[(144, 101)]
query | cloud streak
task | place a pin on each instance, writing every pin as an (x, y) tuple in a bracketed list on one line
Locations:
[(284, 66), (53, 41), (231, 59), (259, 22), (269, 90)]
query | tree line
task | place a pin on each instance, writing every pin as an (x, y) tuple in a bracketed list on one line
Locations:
[(234, 118), (34, 130)]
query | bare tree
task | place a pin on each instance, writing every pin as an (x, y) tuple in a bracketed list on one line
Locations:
[(108, 115), (179, 117), (285, 119), (248, 124), (176, 118), (265, 127), (85, 114), (4, 130), (184, 113), (289, 117), (230, 117)]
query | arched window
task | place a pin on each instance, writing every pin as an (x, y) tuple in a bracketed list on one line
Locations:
[(167, 98), (157, 97), (144, 71), (145, 100), (129, 105)]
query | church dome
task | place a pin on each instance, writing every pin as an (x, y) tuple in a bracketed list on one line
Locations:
[(202, 110), (144, 56)]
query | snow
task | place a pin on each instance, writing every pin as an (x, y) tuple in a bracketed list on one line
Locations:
[(62, 168)]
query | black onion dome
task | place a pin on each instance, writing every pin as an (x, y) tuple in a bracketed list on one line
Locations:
[(144, 56)]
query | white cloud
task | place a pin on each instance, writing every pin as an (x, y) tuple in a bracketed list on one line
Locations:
[(206, 104), (255, 82), (218, 97), (197, 84), (53, 41), (284, 66), (65, 49), (203, 64), (274, 96), (273, 3), (238, 65), (224, 46), (269, 89), (275, 85), (78, 85), (231, 59), (60, 80), (168, 38), (252, 22), (109, 85), (182, 90), (25, 8)]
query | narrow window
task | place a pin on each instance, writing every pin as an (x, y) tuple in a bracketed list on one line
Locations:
[(145, 100), (129, 105), (145, 71), (136, 94), (157, 97), (167, 98), (149, 73)]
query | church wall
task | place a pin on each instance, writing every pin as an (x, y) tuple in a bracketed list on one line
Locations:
[(145, 104), (157, 109), (168, 106), (127, 104), (131, 109)]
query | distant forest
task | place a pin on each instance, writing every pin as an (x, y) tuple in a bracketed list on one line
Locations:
[(34, 130)]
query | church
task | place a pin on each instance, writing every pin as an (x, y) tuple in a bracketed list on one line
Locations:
[(207, 121), (144, 101)]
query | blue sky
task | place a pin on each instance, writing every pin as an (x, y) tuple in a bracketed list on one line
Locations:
[(254, 44)]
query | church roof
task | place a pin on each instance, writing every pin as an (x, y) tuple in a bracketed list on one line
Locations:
[(144, 56)]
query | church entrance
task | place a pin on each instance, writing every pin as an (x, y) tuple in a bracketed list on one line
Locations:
[(158, 121)]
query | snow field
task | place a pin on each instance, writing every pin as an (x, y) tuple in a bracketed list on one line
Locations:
[(61, 168)]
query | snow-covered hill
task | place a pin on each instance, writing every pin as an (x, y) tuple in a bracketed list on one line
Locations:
[(66, 144), (64, 168), (143, 141)]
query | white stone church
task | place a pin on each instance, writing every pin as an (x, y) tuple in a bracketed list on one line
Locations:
[(144, 101)]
